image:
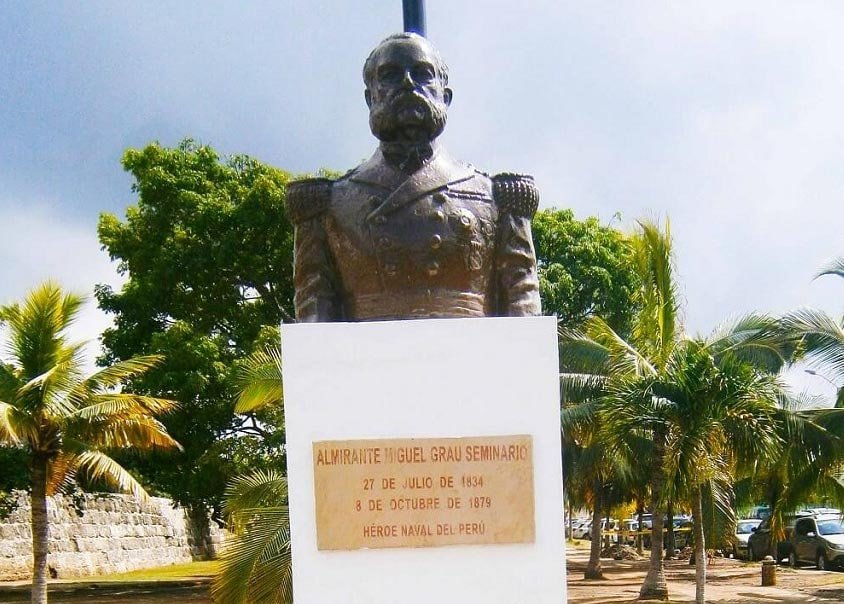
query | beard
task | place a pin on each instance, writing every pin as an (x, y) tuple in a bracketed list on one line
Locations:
[(407, 117)]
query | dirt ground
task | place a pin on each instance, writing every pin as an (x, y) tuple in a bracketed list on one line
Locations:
[(728, 582)]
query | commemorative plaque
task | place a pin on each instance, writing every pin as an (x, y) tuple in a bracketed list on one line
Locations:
[(423, 492)]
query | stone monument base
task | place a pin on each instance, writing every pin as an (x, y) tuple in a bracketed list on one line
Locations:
[(424, 461)]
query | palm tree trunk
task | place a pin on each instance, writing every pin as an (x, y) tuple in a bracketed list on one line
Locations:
[(700, 550), (640, 510), (593, 568), (654, 586), (671, 544), (40, 528)]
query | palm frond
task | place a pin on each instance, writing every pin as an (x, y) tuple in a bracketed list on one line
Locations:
[(37, 328), (834, 267), (623, 357), (657, 325), (8, 432), (124, 405), (822, 337), (35, 394), (99, 466), (117, 374), (260, 488), (755, 339), (10, 383), (117, 432), (261, 381), (61, 472), (579, 387), (256, 567), (580, 416), (581, 354)]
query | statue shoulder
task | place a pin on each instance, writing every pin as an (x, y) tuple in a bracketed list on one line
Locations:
[(307, 198), (515, 194)]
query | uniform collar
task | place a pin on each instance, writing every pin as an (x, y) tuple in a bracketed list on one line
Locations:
[(440, 171)]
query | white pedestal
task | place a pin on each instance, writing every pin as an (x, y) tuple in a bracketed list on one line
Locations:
[(425, 379)]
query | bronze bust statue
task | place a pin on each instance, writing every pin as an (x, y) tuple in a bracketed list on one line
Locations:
[(412, 233)]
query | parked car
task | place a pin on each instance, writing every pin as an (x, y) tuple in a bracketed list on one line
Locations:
[(683, 535), (627, 531), (758, 512), (744, 529), (605, 526), (818, 540), (578, 526), (759, 543), (581, 530), (682, 530)]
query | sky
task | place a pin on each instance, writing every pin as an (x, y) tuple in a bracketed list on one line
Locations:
[(723, 117)]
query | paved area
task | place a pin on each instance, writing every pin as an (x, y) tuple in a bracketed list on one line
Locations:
[(728, 582)]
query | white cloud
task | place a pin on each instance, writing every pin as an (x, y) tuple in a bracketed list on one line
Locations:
[(37, 246)]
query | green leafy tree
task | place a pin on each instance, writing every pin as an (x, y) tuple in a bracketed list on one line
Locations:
[(585, 269), (66, 424), (208, 256)]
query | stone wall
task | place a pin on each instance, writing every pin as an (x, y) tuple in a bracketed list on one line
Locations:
[(104, 533)]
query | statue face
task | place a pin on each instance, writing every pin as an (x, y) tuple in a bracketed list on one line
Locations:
[(407, 97)]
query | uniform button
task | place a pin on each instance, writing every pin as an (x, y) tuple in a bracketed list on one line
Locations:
[(385, 242), (436, 242), (440, 198), (432, 268), (439, 215), (390, 269), (380, 219), (465, 220)]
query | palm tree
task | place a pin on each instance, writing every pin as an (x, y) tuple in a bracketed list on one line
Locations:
[(594, 467), (256, 568), (810, 463), (65, 421), (628, 381), (715, 413), (597, 359)]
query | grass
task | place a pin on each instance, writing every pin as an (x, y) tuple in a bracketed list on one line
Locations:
[(190, 570)]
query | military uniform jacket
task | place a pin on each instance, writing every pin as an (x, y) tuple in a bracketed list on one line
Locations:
[(446, 241)]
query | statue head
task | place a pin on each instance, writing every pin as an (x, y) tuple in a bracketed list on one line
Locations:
[(406, 90)]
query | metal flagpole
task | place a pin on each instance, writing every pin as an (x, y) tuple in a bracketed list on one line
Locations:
[(414, 16)]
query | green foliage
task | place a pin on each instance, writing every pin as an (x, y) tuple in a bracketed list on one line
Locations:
[(8, 503), (15, 474), (709, 409), (585, 269), (257, 565), (66, 423), (50, 410), (208, 253)]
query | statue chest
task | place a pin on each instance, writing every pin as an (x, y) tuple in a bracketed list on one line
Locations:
[(440, 243)]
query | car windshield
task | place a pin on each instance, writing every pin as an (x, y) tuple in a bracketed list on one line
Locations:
[(745, 527), (830, 527)]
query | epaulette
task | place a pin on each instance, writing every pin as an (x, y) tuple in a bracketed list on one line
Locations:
[(515, 194), (307, 198)]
